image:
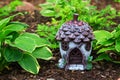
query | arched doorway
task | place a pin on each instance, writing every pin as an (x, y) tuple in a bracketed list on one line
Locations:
[(75, 56)]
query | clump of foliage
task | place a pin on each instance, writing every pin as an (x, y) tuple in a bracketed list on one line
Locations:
[(57, 8), (64, 9), (48, 33), (22, 47), (117, 0), (6, 10), (108, 45)]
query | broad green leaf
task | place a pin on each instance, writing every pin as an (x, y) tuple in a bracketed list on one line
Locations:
[(102, 35), (106, 49), (38, 41), (2, 36), (107, 42), (13, 27), (116, 33), (103, 56), (29, 63), (48, 13), (117, 45), (19, 23), (42, 53), (52, 1), (25, 43), (46, 5), (11, 54), (29, 41), (4, 22)]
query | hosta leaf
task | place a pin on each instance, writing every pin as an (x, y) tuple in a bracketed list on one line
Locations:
[(102, 35), (19, 23), (29, 41), (117, 34), (47, 5), (39, 41), (47, 13), (42, 53), (1, 36), (117, 45), (51, 1), (103, 56), (106, 49), (4, 22), (106, 42), (25, 43), (29, 63), (11, 54), (13, 27)]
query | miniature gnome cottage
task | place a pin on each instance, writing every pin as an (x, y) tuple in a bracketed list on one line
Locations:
[(75, 44)]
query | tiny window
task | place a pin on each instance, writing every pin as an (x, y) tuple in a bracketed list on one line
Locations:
[(88, 46), (65, 46)]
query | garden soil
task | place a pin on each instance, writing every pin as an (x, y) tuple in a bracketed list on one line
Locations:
[(49, 70)]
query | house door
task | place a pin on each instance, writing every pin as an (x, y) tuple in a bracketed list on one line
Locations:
[(75, 56)]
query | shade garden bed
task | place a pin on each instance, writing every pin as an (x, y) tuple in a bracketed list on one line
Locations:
[(49, 71)]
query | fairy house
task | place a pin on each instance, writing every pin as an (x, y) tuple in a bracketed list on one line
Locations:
[(75, 44)]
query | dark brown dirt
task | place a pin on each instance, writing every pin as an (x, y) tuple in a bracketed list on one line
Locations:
[(103, 3), (49, 70), (32, 18)]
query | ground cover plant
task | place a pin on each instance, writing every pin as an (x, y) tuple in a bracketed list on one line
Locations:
[(108, 45), (22, 47), (64, 9), (11, 7)]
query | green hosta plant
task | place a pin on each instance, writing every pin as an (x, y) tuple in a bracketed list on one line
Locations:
[(108, 43), (16, 45)]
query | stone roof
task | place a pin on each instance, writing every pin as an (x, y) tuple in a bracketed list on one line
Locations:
[(76, 31)]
